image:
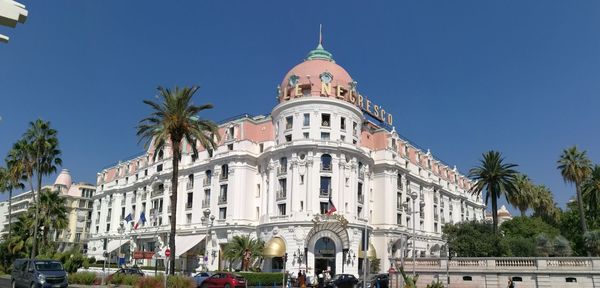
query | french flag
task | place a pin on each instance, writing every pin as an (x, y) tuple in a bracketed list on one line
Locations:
[(331, 207), (142, 220)]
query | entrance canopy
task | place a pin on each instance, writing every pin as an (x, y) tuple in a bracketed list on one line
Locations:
[(370, 253), (274, 248), (185, 243), (115, 244)]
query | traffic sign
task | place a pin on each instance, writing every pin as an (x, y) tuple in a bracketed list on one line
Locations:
[(168, 252)]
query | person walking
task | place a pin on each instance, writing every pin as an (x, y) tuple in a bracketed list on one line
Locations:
[(511, 284)]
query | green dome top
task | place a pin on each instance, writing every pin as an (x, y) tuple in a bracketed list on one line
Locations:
[(319, 53)]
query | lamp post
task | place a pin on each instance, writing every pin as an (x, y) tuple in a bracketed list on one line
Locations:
[(208, 220), (413, 212)]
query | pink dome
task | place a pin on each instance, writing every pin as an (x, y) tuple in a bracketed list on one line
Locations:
[(308, 73), (64, 179)]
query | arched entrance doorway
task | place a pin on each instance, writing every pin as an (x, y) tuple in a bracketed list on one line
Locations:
[(325, 255)]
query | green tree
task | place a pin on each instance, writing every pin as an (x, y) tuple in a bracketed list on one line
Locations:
[(591, 194), (45, 153), (543, 204), (475, 239), (496, 177), (174, 119), (523, 196), (592, 242), (234, 249), (54, 208), (575, 168), (527, 227)]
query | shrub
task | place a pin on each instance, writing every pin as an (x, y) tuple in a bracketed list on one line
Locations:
[(149, 282), (120, 279), (83, 278), (435, 284), (264, 278), (179, 281)]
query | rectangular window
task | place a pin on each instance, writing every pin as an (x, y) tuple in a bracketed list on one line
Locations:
[(288, 138), (261, 147), (223, 194), (354, 128), (222, 213), (305, 135), (325, 120), (230, 147), (361, 196), (324, 207), (343, 123), (188, 218), (325, 136), (210, 153), (282, 188), (325, 187), (289, 122), (306, 120), (159, 168), (399, 219), (190, 200), (281, 208), (359, 212), (107, 227)]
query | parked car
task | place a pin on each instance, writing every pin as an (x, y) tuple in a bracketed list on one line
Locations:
[(127, 271), (38, 273), (373, 279), (200, 277), (342, 281), (224, 279)]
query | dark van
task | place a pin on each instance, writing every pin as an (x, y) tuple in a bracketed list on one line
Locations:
[(36, 273)]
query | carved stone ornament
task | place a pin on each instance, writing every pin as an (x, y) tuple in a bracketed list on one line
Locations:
[(324, 218)]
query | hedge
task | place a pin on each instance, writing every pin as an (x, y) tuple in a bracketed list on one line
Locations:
[(83, 278), (172, 282), (262, 278), (121, 279)]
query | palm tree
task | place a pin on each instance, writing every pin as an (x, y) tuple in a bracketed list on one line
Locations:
[(55, 209), (523, 197), (234, 250), (173, 120), (43, 146), (543, 204), (496, 178), (591, 192), (575, 168), (10, 179)]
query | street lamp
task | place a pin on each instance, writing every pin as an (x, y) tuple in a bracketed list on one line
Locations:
[(413, 196), (208, 220)]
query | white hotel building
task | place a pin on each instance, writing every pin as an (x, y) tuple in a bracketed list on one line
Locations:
[(272, 176)]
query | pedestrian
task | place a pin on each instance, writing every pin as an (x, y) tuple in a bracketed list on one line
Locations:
[(320, 280), (511, 284), (302, 279)]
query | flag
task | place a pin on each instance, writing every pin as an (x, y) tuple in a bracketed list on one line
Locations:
[(142, 220), (128, 218), (331, 208)]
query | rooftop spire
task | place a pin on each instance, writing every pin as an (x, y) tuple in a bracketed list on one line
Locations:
[(320, 53)]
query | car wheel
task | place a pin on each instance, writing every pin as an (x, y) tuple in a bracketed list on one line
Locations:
[(227, 285)]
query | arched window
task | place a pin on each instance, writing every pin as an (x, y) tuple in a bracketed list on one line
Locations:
[(224, 172), (326, 162)]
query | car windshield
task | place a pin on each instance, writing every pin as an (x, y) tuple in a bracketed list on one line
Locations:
[(48, 266)]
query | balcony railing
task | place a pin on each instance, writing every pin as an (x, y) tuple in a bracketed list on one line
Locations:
[(189, 185), (323, 193), (188, 205), (224, 176), (442, 204), (436, 217), (281, 195), (325, 168), (361, 175), (157, 193), (108, 219), (281, 171), (98, 221), (222, 200), (435, 200), (422, 215), (205, 203), (399, 206), (361, 198), (206, 182)]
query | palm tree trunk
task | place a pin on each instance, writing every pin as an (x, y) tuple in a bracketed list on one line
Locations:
[(35, 222), (9, 212), (174, 182), (494, 210), (581, 212)]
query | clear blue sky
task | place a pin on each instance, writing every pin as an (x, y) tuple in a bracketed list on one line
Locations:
[(460, 77)]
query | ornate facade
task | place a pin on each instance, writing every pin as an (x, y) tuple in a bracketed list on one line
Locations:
[(273, 177)]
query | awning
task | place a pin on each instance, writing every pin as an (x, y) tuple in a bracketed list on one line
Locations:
[(115, 244), (185, 243), (274, 248), (370, 253)]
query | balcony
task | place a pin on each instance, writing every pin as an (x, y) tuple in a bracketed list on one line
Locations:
[(222, 199), (189, 185), (442, 204), (361, 175), (188, 205), (108, 219), (206, 182), (97, 221), (123, 202), (326, 168), (443, 220), (323, 193), (451, 207), (157, 193), (399, 206), (422, 215), (206, 203), (361, 198), (436, 217), (224, 176), (435, 200), (281, 171), (399, 185), (281, 195), (110, 202)]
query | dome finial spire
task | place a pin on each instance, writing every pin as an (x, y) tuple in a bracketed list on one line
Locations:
[(320, 34), (319, 52)]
